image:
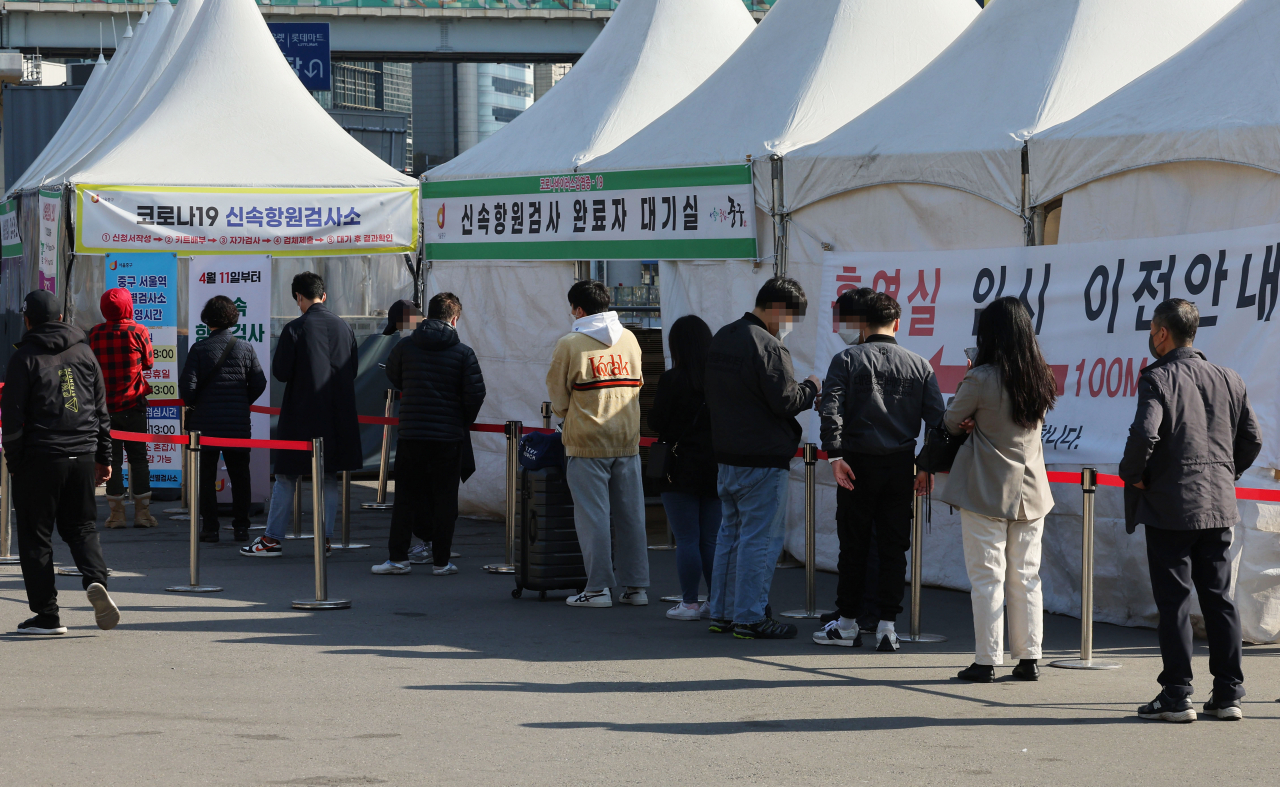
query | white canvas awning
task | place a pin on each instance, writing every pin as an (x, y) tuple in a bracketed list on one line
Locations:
[(1024, 65)]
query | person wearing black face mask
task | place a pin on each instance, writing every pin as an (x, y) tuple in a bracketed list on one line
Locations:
[(1194, 435)]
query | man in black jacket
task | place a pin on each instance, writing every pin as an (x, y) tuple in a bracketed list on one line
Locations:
[(876, 397), (316, 358), (442, 394), (57, 442), (753, 402), (1192, 439)]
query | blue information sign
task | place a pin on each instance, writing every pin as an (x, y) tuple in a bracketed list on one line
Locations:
[(306, 48)]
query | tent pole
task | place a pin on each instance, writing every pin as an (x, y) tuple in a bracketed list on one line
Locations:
[(1037, 226), (779, 219)]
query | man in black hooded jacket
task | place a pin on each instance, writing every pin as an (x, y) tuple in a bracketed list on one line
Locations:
[(443, 390), (57, 442)]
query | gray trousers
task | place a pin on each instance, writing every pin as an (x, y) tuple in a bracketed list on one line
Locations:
[(610, 491)]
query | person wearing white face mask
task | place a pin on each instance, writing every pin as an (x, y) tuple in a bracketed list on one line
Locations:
[(876, 396)]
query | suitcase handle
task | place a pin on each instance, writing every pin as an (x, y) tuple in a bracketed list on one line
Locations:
[(533, 527)]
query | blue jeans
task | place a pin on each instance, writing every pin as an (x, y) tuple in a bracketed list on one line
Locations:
[(754, 501), (280, 514), (695, 520)]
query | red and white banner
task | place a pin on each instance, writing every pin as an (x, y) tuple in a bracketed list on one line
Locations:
[(1091, 305)]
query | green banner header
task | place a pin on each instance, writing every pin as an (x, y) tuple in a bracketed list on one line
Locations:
[(684, 177)]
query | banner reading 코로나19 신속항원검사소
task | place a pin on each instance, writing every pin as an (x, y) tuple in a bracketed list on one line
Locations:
[(1091, 305), (279, 222)]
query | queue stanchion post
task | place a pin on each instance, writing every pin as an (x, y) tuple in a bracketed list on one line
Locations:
[(546, 415), (192, 484), (384, 459), (917, 575), (1089, 488), (6, 517), (513, 431), (322, 600), (297, 511), (810, 538), (345, 505)]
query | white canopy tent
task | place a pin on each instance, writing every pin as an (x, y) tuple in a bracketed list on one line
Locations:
[(649, 56), (938, 165), (1192, 146)]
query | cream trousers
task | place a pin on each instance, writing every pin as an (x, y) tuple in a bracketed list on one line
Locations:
[(1003, 561)]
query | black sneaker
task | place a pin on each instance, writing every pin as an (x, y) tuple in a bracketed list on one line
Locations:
[(1166, 708), (208, 536), (1027, 669), (1227, 710), (720, 626), (42, 624), (765, 629), (241, 534), (978, 673)]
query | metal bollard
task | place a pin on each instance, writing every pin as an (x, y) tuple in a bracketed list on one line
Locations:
[(382, 504), (297, 511), (346, 515), (917, 576), (193, 497), (322, 600), (513, 431), (1089, 486), (6, 517), (810, 538), (546, 415)]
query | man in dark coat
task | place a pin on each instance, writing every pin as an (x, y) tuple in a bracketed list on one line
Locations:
[(316, 359), (1192, 439), (221, 378), (443, 391), (57, 441)]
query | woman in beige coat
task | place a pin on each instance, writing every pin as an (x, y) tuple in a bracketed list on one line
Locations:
[(998, 482)]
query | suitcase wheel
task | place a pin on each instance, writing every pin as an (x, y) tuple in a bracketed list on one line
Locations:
[(517, 592)]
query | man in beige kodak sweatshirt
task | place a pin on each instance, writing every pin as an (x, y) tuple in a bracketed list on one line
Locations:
[(594, 385)]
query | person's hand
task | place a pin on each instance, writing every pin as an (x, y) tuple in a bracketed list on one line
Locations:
[(100, 474), (844, 473), (924, 484), (1139, 485), (816, 380), (968, 425)]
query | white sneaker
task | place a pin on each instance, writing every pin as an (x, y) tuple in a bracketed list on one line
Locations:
[(888, 639), (392, 567), (684, 611), (591, 598), (420, 554), (636, 597), (832, 634), (441, 571), (704, 611)]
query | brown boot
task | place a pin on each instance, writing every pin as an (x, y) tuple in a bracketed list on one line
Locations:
[(142, 511), (116, 519)]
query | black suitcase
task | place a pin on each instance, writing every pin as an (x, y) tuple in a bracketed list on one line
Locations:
[(547, 554)]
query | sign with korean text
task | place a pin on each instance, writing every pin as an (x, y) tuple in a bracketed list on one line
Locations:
[(152, 282), (246, 280), (279, 222), (1091, 305), (669, 214), (306, 48), (10, 240), (50, 215)]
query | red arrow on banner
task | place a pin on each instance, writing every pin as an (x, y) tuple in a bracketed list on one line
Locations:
[(949, 377)]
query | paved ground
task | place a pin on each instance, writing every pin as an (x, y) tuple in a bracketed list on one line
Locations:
[(449, 680)]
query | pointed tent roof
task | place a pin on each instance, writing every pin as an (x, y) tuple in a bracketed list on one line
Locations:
[(1023, 65), (647, 58), (229, 111), (1216, 100), (809, 68)]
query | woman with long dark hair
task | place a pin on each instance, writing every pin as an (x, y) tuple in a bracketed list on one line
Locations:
[(1000, 485), (679, 415)]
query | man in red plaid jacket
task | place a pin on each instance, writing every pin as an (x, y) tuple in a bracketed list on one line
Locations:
[(124, 350)]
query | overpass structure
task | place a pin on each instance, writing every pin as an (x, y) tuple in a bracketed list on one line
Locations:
[(487, 31)]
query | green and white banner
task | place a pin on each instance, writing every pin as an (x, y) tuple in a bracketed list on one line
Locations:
[(9, 237), (694, 213)]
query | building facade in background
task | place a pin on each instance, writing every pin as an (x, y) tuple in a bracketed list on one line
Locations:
[(373, 87)]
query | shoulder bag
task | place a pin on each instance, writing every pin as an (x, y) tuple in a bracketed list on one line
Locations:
[(940, 449), (664, 457)]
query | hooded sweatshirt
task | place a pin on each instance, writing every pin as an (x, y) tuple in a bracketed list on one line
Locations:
[(440, 380), (123, 348), (53, 404), (594, 385)]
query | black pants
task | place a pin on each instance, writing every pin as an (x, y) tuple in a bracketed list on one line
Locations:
[(237, 462), (879, 511), (1178, 560), (426, 503), (132, 420), (869, 611), (48, 492)]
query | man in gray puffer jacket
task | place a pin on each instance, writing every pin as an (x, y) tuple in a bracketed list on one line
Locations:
[(1193, 437), (443, 390)]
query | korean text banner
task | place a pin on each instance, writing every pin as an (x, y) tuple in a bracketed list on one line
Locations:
[(671, 214), (280, 222), (152, 282), (1091, 305), (10, 240), (50, 215)]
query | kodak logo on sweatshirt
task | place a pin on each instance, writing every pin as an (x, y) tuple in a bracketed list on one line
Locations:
[(610, 371)]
